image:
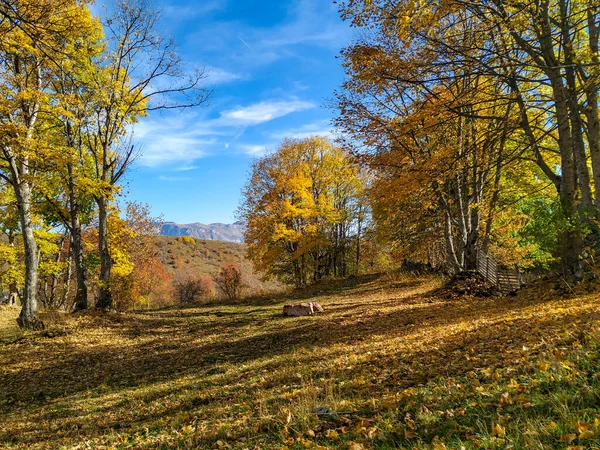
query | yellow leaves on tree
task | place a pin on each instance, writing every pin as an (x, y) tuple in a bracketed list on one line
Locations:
[(139, 278), (300, 205), (120, 238)]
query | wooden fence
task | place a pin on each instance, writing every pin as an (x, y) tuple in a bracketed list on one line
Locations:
[(506, 280)]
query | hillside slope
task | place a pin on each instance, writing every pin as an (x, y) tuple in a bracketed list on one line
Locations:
[(395, 364), (186, 256), (206, 256)]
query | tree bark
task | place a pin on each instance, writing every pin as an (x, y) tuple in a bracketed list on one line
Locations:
[(81, 296), (572, 101), (13, 290), (591, 109), (105, 300), (358, 236), (29, 313)]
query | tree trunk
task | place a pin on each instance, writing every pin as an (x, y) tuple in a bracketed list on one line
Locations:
[(591, 111), (358, 236), (105, 300), (572, 239), (81, 296), (67, 289), (13, 289), (452, 259), (13, 294), (29, 313), (471, 244), (51, 299)]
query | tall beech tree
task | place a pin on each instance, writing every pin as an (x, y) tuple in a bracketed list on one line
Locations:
[(28, 68), (301, 205), (542, 55), (70, 179)]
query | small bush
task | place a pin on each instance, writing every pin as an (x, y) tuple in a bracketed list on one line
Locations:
[(230, 281), (189, 290), (187, 240)]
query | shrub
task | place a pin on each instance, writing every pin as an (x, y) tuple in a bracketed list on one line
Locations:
[(187, 240), (193, 289), (149, 285), (230, 281)]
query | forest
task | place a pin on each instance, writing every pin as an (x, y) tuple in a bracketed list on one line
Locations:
[(464, 129), (464, 135)]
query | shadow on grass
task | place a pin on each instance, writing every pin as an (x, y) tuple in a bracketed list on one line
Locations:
[(152, 349)]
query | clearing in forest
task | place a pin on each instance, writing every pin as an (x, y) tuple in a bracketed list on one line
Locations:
[(397, 364)]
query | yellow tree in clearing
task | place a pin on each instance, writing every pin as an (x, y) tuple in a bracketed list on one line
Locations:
[(301, 206)]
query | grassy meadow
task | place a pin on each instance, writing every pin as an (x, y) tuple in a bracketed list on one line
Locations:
[(396, 363)]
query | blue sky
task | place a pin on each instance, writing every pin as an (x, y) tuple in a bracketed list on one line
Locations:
[(272, 65)]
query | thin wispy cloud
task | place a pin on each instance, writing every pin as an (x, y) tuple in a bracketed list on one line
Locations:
[(180, 139), (255, 150), (171, 149), (307, 23), (193, 10), (319, 128), (215, 75), (265, 111), (186, 168), (274, 138)]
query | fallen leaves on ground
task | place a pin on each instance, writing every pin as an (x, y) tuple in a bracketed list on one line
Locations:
[(397, 366)]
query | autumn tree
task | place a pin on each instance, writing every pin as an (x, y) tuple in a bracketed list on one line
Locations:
[(29, 65), (300, 205), (141, 72), (69, 182), (230, 281), (192, 287), (147, 283), (437, 147), (540, 58)]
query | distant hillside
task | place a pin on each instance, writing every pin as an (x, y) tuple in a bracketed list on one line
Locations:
[(233, 232), (182, 255), (203, 256)]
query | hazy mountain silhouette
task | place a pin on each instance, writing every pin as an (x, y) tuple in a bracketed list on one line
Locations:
[(226, 232)]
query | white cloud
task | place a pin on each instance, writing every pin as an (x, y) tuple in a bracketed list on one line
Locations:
[(176, 140), (171, 149), (255, 150), (273, 138), (186, 168), (215, 75), (264, 111)]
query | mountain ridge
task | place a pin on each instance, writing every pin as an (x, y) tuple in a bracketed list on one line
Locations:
[(226, 232)]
